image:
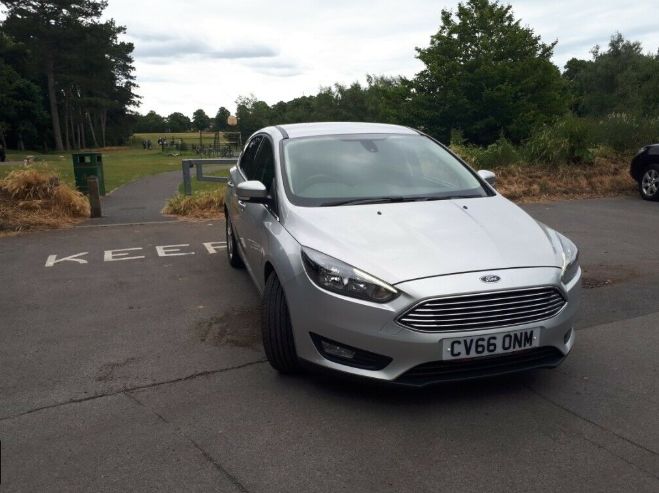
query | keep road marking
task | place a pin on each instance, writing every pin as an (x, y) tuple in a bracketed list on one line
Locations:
[(121, 254)]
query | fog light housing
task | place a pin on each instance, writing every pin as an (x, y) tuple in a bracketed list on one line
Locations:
[(348, 355), (336, 350), (567, 336)]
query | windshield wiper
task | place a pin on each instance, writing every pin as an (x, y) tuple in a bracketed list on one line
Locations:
[(385, 200), (451, 197), (372, 200)]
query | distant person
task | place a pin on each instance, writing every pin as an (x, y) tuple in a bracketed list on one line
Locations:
[(144, 144), (148, 144), (3, 155)]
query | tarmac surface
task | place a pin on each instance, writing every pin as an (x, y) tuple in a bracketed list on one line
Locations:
[(142, 369), (139, 201)]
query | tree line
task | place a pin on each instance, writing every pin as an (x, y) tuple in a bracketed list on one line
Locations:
[(178, 122), (485, 77), (66, 80)]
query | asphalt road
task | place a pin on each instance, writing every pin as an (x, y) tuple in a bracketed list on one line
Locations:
[(147, 373)]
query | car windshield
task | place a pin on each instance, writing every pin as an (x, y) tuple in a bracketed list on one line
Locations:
[(364, 168)]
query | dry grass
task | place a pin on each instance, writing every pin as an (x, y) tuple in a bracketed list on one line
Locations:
[(201, 205), (603, 178), (33, 199)]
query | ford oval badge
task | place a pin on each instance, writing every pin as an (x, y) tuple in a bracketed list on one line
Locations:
[(490, 278)]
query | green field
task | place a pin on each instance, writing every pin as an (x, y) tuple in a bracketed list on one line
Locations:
[(120, 166)]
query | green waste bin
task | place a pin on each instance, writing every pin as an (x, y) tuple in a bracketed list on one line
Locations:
[(87, 164)]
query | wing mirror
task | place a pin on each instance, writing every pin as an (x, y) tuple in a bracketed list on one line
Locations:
[(489, 177), (252, 191)]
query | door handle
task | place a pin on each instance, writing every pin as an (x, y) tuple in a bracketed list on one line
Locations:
[(229, 183), (242, 205)]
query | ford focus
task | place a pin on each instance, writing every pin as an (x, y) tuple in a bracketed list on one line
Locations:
[(380, 253)]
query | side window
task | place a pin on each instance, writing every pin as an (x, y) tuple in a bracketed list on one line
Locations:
[(265, 163), (247, 160)]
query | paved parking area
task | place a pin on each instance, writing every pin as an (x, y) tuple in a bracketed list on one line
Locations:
[(132, 360)]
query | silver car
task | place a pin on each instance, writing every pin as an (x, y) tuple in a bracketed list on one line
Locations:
[(381, 254)]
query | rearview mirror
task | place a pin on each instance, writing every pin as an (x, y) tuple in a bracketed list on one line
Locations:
[(488, 176), (252, 191)]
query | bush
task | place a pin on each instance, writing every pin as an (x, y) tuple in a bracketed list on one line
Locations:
[(500, 153), (626, 133), (566, 141)]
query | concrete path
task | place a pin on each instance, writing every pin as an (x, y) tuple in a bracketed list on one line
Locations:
[(140, 201)]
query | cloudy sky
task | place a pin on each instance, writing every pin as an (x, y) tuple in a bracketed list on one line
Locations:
[(206, 53)]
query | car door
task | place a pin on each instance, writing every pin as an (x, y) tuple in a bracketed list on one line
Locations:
[(242, 173), (257, 216)]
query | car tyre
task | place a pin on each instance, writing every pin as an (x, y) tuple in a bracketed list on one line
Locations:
[(276, 328), (649, 183), (232, 245)]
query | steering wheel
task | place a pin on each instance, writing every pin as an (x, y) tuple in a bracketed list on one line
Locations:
[(318, 178)]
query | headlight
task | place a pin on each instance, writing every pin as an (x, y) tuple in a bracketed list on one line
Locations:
[(339, 277), (570, 258)]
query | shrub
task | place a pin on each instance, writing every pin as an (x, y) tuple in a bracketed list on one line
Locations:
[(566, 141), (500, 153), (626, 133)]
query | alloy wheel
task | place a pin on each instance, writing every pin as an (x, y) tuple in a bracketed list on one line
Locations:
[(650, 182)]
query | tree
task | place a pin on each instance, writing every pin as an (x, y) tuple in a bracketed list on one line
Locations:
[(178, 122), (85, 70), (486, 75), (44, 25), (252, 115), (200, 120), (151, 122), (22, 113), (621, 79), (220, 121)]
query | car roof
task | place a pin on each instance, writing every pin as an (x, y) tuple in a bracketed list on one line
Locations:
[(337, 128)]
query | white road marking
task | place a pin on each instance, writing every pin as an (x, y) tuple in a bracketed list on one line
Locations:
[(172, 250), (120, 254), (213, 246), (117, 254), (52, 259)]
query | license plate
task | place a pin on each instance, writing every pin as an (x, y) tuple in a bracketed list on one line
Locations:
[(486, 345)]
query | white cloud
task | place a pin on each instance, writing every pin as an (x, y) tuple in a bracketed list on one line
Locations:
[(205, 53)]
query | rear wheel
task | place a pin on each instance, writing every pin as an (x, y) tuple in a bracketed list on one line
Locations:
[(277, 330), (649, 184), (232, 246)]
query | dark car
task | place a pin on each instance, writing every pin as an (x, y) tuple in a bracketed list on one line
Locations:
[(645, 170)]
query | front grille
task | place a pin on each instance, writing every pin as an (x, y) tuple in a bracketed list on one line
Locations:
[(489, 310), (445, 371)]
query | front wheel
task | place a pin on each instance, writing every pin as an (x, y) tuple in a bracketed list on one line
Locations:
[(649, 185), (232, 245), (277, 329)]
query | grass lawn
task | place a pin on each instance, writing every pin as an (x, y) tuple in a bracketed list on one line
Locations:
[(120, 165)]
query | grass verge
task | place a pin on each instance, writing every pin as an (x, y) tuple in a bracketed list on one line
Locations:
[(530, 183)]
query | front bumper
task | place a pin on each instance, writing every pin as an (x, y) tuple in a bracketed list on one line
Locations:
[(372, 327)]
